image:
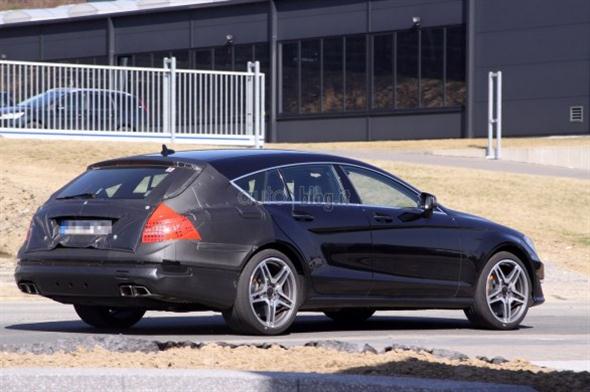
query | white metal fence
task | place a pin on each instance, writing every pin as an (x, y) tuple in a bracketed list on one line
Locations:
[(50, 100)]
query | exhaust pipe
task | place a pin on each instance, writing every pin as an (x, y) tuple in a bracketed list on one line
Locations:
[(28, 288), (132, 290)]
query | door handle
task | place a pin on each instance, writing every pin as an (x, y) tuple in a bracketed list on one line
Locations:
[(302, 216), (382, 218)]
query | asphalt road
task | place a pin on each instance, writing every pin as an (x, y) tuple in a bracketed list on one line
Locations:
[(556, 334)]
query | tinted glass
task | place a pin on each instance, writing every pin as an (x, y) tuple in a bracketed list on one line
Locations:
[(223, 59), (116, 183), (377, 190), (242, 54), (310, 76), (333, 99), (407, 69), (261, 55), (290, 83), (383, 71), (432, 69), (356, 73), (265, 186), (142, 60), (182, 58), (313, 184), (203, 59), (42, 99), (455, 88)]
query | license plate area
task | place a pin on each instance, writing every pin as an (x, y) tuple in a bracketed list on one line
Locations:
[(85, 227)]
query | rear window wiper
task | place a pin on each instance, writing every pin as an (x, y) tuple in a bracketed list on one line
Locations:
[(85, 195)]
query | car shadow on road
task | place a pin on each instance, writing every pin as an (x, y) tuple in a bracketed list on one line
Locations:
[(214, 325)]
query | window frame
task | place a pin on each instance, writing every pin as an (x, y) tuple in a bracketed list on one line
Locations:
[(370, 110), (387, 180), (354, 199)]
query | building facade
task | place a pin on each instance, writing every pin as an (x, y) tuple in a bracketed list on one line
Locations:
[(351, 69)]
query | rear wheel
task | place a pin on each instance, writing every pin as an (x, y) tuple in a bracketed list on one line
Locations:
[(502, 294), (105, 317), (268, 295), (350, 316)]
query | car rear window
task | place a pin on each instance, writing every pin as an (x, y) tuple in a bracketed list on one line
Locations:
[(116, 183)]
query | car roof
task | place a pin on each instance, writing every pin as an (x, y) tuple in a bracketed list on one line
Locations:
[(234, 163)]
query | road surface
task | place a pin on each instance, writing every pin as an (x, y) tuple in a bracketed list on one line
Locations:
[(556, 334)]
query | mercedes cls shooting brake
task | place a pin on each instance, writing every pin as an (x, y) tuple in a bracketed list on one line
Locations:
[(259, 235)]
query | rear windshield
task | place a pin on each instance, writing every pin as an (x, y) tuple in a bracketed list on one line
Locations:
[(116, 183)]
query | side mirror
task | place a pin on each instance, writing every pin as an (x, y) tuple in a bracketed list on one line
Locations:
[(428, 203)]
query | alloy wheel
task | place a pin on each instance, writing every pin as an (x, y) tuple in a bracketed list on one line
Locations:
[(273, 292), (507, 291)]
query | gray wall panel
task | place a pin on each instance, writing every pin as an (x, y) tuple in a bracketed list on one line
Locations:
[(524, 14), (397, 14), (152, 32), (421, 126), (20, 43), (542, 80), (315, 18), (74, 40), (556, 43), (536, 117), (247, 23), (543, 50)]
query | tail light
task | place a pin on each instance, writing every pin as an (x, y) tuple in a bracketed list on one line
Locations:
[(143, 107), (165, 224)]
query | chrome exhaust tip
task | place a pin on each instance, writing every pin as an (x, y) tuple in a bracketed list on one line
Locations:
[(28, 288), (131, 290)]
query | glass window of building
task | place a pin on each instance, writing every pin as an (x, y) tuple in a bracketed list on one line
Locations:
[(203, 59), (383, 71), (223, 58), (455, 86), (333, 83), (432, 68), (356, 73), (407, 70), (310, 76), (290, 76)]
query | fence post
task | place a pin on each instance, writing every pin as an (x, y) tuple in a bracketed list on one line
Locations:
[(494, 114), (249, 99), (257, 106), (498, 114), (166, 98)]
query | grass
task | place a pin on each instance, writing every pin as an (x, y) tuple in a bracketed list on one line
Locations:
[(552, 211), (18, 4), (442, 144)]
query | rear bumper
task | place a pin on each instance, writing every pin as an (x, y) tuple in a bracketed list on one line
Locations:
[(171, 286)]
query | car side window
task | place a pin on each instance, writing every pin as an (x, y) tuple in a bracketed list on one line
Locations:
[(378, 190), (314, 183), (265, 186)]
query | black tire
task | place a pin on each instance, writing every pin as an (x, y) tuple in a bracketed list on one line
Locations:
[(126, 128), (480, 314), (105, 317), (350, 316), (242, 318)]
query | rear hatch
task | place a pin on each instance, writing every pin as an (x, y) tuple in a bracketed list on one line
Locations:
[(106, 207)]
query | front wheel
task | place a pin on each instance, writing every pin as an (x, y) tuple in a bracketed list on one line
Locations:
[(502, 294), (268, 295), (106, 317)]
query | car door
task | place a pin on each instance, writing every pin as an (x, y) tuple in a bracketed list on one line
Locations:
[(414, 255), (333, 236)]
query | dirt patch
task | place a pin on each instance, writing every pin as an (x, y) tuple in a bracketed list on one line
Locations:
[(396, 362)]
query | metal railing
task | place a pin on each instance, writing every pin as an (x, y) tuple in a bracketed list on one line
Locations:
[(494, 115), (51, 100)]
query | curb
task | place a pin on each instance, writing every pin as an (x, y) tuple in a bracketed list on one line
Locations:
[(162, 380)]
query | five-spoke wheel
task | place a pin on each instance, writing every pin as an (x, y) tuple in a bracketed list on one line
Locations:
[(273, 292), (268, 295), (502, 293)]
